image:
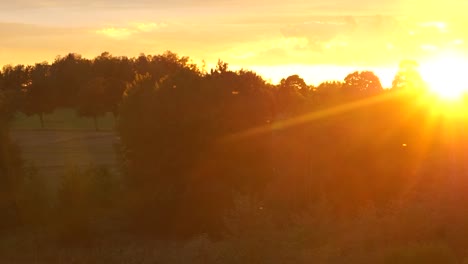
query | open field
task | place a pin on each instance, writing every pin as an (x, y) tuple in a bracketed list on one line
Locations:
[(66, 141), (53, 152)]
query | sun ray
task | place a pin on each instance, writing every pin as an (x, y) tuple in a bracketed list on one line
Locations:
[(312, 116), (420, 151)]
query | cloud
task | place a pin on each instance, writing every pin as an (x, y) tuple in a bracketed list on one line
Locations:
[(149, 27), (15, 30), (126, 32), (105, 4), (116, 33), (345, 40)]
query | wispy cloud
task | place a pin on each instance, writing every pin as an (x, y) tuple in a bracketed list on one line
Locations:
[(149, 27), (116, 33), (133, 28)]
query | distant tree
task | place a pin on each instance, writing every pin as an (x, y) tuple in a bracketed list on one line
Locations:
[(293, 82), (291, 94), (166, 67), (13, 81), (141, 64), (362, 83), (90, 99), (103, 93), (221, 67), (408, 77), (239, 94), (327, 91), (116, 73), (39, 93), (329, 86), (14, 77), (68, 75)]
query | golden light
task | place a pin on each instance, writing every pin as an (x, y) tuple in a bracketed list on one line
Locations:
[(446, 76)]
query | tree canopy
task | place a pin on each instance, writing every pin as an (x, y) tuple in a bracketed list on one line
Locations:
[(362, 82), (408, 77)]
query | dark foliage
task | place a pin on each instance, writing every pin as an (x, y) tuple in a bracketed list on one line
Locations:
[(345, 172)]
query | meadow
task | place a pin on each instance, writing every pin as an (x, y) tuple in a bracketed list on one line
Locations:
[(66, 141)]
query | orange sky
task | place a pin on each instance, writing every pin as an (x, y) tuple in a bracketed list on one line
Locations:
[(320, 40)]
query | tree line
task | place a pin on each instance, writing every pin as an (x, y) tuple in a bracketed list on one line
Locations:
[(94, 87), (346, 167)]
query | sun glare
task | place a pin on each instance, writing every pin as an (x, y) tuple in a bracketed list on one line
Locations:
[(446, 76)]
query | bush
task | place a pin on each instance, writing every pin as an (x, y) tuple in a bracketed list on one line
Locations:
[(85, 203), (34, 201), (11, 178)]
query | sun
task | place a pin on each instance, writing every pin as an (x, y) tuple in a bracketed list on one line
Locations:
[(446, 76)]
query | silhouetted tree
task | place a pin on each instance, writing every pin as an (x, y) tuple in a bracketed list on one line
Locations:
[(15, 78), (294, 82), (362, 83), (328, 91), (13, 81), (221, 67), (116, 72), (91, 99), (408, 77), (291, 94), (40, 98), (68, 75)]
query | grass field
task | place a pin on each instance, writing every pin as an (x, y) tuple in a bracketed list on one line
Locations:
[(66, 141)]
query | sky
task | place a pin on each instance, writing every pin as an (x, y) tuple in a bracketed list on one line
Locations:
[(319, 40)]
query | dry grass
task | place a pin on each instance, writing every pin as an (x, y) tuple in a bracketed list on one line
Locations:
[(54, 152)]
